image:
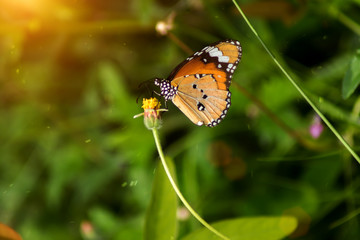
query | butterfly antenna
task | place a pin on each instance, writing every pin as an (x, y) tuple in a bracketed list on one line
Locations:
[(143, 86)]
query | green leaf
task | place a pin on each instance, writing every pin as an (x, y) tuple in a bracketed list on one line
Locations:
[(352, 76), (114, 90), (265, 228), (161, 222)]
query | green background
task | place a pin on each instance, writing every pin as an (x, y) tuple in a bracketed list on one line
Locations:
[(71, 152)]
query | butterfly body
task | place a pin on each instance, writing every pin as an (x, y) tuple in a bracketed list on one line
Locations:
[(199, 86)]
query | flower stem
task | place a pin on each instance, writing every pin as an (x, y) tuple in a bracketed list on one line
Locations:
[(178, 193), (325, 120)]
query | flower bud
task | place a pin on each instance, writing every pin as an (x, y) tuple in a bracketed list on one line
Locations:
[(152, 118)]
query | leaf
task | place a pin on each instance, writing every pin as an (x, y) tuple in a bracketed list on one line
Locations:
[(250, 228), (115, 92), (352, 77), (6, 233), (161, 222)]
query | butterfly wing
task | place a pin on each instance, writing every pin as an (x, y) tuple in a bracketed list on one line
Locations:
[(201, 100), (202, 82), (220, 58)]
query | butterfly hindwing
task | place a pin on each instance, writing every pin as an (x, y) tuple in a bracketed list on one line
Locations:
[(205, 102)]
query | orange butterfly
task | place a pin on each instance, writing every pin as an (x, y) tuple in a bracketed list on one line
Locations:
[(199, 86)]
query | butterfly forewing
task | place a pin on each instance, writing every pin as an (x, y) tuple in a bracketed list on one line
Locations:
[(220, 58), (199, 86)]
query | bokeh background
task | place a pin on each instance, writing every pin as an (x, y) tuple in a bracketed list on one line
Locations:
[(74, 164)]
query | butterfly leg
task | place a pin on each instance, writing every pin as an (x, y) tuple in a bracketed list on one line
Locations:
[(156, 93), (165, 102)]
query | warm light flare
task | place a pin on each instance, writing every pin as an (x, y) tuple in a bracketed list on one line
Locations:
[(24, 6), (25, 3), (40, 9)]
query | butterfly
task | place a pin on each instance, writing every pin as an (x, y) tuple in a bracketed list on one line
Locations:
[(199, 86)]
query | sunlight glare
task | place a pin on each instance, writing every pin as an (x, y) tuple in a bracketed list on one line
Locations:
[(25, 5), (43, 9)]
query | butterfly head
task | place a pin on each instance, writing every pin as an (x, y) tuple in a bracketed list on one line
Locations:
[(157, 81), (166, 89)]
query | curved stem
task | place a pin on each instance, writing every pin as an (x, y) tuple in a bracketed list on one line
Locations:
[(325, 120), (179, 194)]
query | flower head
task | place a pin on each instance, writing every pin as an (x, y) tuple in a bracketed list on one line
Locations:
[(87, 230), (163, 27), (151, 103), (151, 113), (316, 127)]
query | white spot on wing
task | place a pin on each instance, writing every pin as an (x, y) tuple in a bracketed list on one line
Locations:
[(215, 52), (208, 49), (223, 59)]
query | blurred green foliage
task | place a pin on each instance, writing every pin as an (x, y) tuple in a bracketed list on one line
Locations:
[(74, 164)]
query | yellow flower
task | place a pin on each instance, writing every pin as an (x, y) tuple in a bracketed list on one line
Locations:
[(151, 103), (151, 113)]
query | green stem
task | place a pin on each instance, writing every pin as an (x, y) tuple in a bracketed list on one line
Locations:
[(183, 200), (325, 120), (345, 219), (348, 22)]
